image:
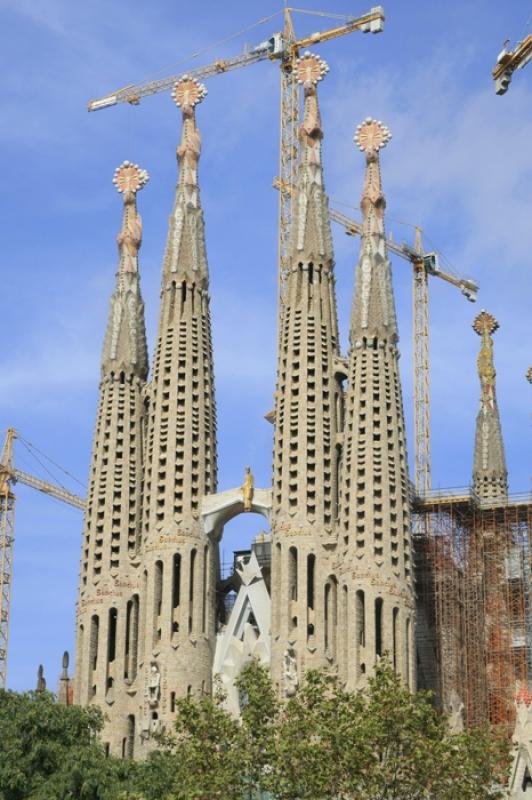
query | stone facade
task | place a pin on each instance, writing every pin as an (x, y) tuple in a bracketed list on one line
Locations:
[(151, 618)]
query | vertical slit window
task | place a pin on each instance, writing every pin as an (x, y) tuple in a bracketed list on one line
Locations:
[(111, 635), (191, 590), (93, 641), (395, 615), (292, 573), (407, 653), (360, 631), (378, 627), (330, 608), (205, 598), (176, 580), (157, 600), (130, 748)]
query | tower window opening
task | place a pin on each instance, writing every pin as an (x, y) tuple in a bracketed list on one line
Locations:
[(191, 590), (360, 630), (93, 641), (111, 635), (157, 599), (292, 573), (378, 626), (176, 580), (407, 653), (395, 615)]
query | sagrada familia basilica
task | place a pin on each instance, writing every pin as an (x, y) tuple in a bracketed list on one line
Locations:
[(338, 581)]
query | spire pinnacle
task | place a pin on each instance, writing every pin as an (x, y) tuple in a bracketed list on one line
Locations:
[(125, 341), (489, 469), (373, 308), (485, 325), (185, 250), (129, 179), (311, 234), (311, 69), (187, 94)]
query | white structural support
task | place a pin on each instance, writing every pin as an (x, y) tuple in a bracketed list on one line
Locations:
[(247, 633)]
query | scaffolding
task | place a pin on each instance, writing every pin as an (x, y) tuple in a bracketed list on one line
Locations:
[(473, 569)]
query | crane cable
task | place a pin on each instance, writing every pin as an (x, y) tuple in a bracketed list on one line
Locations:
[(32, 450), (445, 260), (171, 67)]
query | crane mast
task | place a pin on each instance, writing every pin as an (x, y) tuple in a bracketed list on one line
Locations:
[(9, 475), (420, 343), (7, 530)]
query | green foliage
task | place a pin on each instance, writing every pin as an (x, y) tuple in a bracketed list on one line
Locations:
[(51, 752), (382, 743)]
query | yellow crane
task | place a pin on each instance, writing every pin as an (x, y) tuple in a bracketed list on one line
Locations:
[(510, 60), (283, 47), (9, 476)]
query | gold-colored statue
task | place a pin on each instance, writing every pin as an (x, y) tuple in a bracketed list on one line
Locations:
[(247, 489), (485, 325)]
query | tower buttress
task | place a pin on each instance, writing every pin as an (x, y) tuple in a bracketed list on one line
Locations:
[(179, 561), (308, 400), (490, 476), (374, 542), (108, 608)]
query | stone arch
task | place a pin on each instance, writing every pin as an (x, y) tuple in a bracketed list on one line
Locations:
[(218, 509)]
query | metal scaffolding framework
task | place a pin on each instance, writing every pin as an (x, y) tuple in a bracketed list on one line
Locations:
[(474, 602)]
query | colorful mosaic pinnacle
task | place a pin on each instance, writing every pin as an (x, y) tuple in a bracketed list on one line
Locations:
[(310, 69), (485, 323), (371, 135), (130, 177), (188, 92)]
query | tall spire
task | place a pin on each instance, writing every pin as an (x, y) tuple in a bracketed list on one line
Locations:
[(373, 313), (374, 518), (185, 249), (182, 415), (107, 623), (125, 348), (311, 231), (490, 476), (308, 401), (181, 463)]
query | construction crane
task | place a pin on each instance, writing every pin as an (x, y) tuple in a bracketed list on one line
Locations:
[(424, 264), (9, 476), (283, 47), (510, 60)]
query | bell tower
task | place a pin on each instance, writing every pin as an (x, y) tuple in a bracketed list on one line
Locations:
[(109, 601), (178, 559), (374, 538), (308, 400)]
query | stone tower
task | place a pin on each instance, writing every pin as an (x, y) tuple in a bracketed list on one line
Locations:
[(374, 538), (108, 609), (178, 561), (308, 400), (490, 476)]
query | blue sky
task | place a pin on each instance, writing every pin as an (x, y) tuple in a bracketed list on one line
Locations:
[(459, 165)]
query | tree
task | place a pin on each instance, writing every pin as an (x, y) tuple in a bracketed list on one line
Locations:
[(201, 759), (52, 752), (380, 743)]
